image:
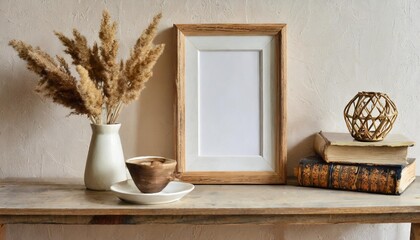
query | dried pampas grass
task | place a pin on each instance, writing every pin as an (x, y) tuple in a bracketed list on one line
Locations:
[(105, 84)]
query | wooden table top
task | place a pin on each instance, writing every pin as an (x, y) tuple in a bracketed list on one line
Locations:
[(68, 202)]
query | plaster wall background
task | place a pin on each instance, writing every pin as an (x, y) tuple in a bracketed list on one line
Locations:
[(335, 49)]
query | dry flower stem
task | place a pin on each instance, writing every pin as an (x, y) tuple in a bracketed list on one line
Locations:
[(105, 83), (92, 97)]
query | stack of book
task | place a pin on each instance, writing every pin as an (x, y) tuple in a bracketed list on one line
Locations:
[(344, 163)]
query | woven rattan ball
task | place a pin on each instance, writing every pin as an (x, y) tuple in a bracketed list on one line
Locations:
[(369, 116)]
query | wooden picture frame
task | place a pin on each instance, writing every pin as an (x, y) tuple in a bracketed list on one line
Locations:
[(231, 103)]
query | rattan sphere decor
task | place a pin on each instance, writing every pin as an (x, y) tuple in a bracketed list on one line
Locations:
[(370, 116)]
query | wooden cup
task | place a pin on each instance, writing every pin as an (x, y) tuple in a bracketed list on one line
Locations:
[(151, 174)]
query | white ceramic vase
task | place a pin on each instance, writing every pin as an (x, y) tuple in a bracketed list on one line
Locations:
[(105, 161)]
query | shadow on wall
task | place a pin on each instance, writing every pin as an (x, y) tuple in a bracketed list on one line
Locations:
[(144, 232), (155, 127), (302, 149), (211, 232)]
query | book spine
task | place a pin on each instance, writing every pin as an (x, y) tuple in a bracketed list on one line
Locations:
[(355, 177), (320, 146)]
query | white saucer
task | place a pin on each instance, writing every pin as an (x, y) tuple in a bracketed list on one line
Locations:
[(127, 191)]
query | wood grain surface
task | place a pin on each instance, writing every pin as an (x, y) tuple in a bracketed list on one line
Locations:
[(68, 202), (230, 29), (415, 231), (2, 232)]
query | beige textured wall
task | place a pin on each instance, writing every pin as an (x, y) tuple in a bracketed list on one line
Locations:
[(335, 49)]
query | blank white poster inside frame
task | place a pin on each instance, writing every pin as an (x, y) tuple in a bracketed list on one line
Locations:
[(225, 115)]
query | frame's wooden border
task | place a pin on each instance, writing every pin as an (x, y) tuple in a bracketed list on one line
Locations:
[(279, 32)]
